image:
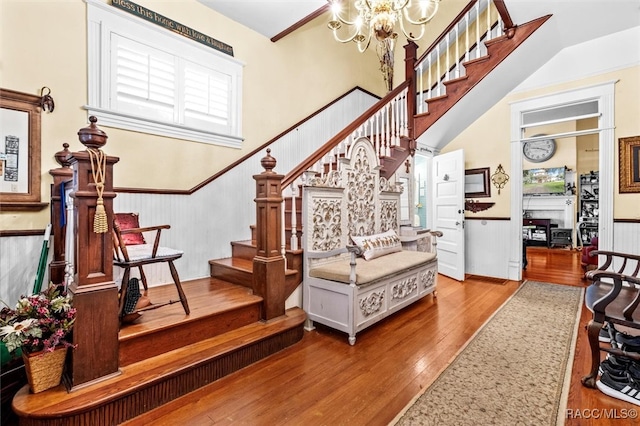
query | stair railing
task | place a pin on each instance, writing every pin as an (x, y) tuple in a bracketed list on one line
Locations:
[(462, 41), (385, 124), (391, 119)]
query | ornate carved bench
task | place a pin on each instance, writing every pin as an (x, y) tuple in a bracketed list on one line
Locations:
[(356, 272)]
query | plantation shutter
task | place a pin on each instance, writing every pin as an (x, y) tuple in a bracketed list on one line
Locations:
[(207, 98), (145, 80)]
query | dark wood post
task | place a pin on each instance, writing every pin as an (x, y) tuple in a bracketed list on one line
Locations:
[(269, 264), (60, 175), (410, 52), (95, 294)]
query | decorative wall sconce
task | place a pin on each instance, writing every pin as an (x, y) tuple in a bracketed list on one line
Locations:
[(46, 101), (499, 178)]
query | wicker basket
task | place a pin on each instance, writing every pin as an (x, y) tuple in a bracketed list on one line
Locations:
[(44, 369)]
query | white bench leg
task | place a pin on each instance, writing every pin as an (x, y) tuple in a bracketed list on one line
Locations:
[(308, 325)]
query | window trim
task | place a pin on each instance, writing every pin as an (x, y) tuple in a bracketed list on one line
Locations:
[(98, 78)]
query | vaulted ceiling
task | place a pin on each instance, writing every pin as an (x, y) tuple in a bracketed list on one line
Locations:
[(576, 20)]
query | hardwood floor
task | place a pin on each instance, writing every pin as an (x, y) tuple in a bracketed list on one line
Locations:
[(324, 381)]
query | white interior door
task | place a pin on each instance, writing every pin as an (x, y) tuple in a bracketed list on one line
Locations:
[(448, 213)]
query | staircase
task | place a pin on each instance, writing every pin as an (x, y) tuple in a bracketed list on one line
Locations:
[(166, 355), (238, 268)]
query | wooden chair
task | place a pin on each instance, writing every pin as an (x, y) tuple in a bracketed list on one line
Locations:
[(130, 250), (613, 296)]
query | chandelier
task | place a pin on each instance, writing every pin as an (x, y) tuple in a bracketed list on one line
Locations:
[(378, 18)]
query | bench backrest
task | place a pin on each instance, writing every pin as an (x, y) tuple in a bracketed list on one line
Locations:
[(351, 201)]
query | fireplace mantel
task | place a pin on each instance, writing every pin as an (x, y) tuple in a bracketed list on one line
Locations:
[(562, 206)]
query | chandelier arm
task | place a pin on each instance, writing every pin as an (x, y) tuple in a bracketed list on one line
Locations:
[(344, 21), (408, 34), (366, 45), (422, 21), (345, 40)]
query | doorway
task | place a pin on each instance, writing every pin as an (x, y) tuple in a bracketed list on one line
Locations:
[(556, 108)]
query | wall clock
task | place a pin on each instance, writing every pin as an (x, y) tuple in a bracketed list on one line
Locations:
[(540, 150)]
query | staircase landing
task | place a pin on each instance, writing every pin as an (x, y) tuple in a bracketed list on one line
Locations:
[(166, 354)]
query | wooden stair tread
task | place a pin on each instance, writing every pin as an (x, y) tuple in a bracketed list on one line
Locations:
[(59, 402), (244, 265), (226, 297)]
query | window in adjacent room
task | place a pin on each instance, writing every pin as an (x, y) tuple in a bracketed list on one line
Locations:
[(147, 79)]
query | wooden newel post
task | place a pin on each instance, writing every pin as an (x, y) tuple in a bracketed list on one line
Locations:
[(95, 294), (410, 52), (60, 175), (269, 264)]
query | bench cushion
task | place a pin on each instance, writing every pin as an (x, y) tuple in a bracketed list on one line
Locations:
[(378, 245), (368, 271)]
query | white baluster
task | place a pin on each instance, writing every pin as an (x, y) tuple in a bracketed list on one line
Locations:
[(457, 53), (393, 125), (477, 29), (488, 19), (387, 122), (430, 80), (420, 88), (69, 252), (294, 217), (438, 68), (448, 59), (466, 35), (405, 115), (283, 233)]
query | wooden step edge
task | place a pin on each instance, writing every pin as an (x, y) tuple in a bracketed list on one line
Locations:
[(247, 300), (249, 243), (476, 61), (498, 39), (57, 403), (226, 263), (456, 80), (436, 98)]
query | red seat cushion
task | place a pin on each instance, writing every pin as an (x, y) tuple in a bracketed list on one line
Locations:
[(128, 221)]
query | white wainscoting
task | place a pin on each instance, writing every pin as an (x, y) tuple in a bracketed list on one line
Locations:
[(487, 247), (18, 267), (203, 224), (626, 239)]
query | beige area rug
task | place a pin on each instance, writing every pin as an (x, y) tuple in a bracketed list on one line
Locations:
[(514, 371)]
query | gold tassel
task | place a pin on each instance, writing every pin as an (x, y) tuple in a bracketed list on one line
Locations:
[(98, 169), (100, 218)]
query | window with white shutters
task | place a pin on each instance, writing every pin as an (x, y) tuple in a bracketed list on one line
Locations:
[(148, 79)]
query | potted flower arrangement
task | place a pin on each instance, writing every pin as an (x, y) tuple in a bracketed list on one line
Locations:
[(39, 326)]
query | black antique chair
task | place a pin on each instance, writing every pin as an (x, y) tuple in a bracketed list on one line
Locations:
[(613, 296), (130, 250)]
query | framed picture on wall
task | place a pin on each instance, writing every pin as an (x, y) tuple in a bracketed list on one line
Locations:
[(629, 149), (19, 151), (476, 183)]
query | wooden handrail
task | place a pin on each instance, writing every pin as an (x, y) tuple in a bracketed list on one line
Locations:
[(343, 134), (504, 14), (500, 7)]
